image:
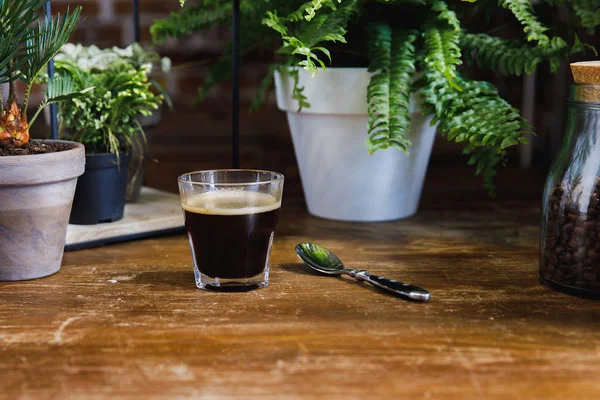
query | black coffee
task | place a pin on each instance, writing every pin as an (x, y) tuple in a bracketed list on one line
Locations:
[(231, 232)]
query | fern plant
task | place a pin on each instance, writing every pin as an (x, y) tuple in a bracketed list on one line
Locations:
[(411, 46), (27, 42)]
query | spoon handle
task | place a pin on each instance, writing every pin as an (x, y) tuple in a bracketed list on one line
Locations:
[(394, 286)]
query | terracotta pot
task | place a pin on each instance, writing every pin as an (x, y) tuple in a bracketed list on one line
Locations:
[(36, 194)]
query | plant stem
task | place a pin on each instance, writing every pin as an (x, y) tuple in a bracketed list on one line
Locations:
[(11, 92), (11, 83), (26, 98)]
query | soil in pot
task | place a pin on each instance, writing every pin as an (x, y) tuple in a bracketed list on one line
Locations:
[(35, 147), (100, 194)]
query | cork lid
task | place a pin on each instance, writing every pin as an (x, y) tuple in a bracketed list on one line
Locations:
[(587, 77)]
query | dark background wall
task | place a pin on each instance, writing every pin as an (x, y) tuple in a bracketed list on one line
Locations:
[(197, 136)]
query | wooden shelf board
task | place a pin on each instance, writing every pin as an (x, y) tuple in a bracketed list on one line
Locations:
[(155, 213)]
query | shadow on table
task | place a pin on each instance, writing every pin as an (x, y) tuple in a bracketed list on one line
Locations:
[(296, 268), (181, 279)]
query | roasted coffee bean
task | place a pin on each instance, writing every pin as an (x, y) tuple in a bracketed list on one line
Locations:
[(573, 217), (593, 254), (580, 253), (567, 229), (558, 250), (575, 242), (579, 231), (581, 220), (590, 225), (592, 212), (567, 259)]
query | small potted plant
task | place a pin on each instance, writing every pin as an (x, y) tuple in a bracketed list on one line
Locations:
[(92, 57), (106, 122), (397, 74), (38, 178)]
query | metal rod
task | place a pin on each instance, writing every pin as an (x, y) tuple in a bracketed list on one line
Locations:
[(136, 21), (53, 111), (235, 117)]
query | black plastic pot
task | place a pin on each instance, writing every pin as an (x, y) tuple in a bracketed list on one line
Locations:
[(100, 193)]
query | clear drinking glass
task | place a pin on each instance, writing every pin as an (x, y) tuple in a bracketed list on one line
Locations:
[(230, 216)]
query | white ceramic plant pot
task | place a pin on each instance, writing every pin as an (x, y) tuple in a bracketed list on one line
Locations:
[(341, 180)]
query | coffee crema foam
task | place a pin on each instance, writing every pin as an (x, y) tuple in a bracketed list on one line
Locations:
[(231, 203)]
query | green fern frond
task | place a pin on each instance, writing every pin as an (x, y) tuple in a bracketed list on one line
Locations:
[(297, 90), (273, 21), (486, 161), (442, 52), (445, 14), (392, 56), (311, 10), (441, 37), (523, 11), (588, 12), (187, 20), (477, 115), (511, 57), (305, 38)]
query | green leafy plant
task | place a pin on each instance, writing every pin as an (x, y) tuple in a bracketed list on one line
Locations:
[(134, 55), (411, 46), (105, 121), (27, 42)]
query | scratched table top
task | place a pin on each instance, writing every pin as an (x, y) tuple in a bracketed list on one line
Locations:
[(126, 321)]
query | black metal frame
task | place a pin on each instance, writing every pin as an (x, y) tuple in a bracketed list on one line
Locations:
[(235, 115), (53, 115)]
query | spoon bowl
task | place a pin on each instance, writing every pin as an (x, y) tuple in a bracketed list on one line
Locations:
[(320, 259), (324, 261)]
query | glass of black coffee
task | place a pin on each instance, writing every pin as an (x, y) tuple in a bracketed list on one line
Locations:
[(230, 217)]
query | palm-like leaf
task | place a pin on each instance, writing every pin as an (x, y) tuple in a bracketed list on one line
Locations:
[(15, 18), (61, 88), (45, 40), (8, 51)]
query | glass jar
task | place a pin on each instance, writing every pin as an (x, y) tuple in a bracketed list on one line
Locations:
[(570, 234)]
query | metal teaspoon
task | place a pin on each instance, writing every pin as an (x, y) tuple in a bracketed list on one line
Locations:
[(322, 260)]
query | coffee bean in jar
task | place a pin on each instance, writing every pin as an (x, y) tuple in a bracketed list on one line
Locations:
[(571, 245)]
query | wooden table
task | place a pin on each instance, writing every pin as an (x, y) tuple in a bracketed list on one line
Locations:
[(126, 321)]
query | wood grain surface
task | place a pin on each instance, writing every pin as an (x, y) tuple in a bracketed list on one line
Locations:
[(126, 321)]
